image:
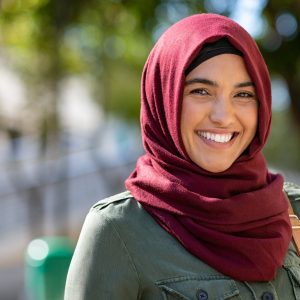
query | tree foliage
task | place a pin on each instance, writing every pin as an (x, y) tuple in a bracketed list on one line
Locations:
[(280, 45)]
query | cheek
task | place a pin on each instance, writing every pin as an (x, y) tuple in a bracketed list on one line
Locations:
[(188, 122), (185, 111), (250, 118), (184, 124), (254, 120), (190, 117)]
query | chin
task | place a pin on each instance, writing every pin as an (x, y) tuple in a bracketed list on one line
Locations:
[(217, 170), (214, 168)]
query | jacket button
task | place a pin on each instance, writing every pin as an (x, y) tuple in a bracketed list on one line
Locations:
[(202, 295), (267, 296)]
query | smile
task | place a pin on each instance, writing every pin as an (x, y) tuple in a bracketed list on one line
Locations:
[(216, 137)]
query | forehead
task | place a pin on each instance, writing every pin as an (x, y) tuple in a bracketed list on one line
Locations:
[(225, 66)]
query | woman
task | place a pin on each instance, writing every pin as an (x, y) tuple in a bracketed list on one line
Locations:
[(202, 217)]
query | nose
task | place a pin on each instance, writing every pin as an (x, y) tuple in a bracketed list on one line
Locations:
[(222, 111)]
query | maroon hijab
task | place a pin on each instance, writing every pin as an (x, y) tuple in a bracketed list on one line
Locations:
[(235, 221)]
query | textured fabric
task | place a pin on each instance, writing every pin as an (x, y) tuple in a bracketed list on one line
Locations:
[(236, 221), (122, 253)]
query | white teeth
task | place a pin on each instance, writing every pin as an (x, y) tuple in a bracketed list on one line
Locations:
[(216, 137)]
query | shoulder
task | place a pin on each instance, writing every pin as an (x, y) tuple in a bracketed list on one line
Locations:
[(117, 207), (103, 230), (112, 201), (119, 214), (100, 248)]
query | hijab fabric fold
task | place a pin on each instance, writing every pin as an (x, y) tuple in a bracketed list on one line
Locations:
[(235, 221)]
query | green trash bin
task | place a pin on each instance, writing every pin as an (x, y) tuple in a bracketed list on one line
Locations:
[(47, 261)]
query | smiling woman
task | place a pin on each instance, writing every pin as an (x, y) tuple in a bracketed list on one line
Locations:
[(202, 217), (219, 111)]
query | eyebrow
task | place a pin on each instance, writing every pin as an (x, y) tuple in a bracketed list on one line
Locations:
[(214, 83)]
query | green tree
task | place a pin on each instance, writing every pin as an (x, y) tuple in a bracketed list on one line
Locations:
[(280, 46)]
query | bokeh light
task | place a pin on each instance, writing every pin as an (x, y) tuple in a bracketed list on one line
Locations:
[(280, 94), (286, 25), (38, 249)]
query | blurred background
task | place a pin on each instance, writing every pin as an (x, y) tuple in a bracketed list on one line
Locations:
[(69, 105)]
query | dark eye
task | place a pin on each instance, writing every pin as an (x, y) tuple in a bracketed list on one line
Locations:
[(199, 91), (245, 95)]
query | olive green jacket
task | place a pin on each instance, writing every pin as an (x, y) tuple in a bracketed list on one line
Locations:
[(122, 253)]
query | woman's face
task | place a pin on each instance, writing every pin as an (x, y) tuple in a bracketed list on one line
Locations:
[(219, 112)]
